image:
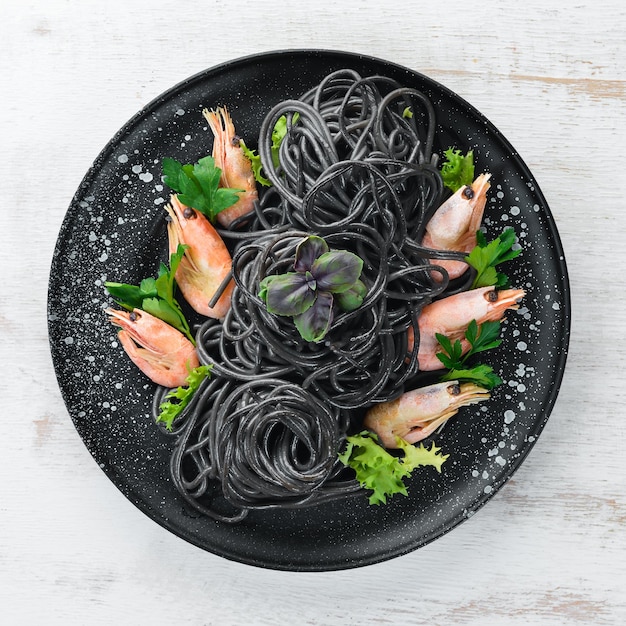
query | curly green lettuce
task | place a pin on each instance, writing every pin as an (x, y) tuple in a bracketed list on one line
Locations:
[(381, 472), (278, 134), (169, 410), (458, 170)]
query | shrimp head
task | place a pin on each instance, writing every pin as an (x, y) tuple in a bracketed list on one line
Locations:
[(454, 224), (416, 414), (452, 315), (206, 263), (160, 351), (236, 167)]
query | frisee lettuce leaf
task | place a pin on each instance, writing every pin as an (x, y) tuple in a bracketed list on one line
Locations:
[(458, 170), (169, 411), (382, 472), (255, 162), (278, 134)]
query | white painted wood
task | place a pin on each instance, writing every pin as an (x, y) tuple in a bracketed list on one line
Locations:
[(550, 548)]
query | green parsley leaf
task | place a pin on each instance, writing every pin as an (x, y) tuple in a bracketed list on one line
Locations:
[(458, 170), (483, 337), (198, 187), (481, 375), (480, 337), (169, 411), (484, 258), (382, 472), (132, 296), (163, 310), (173, 174), (165, 281), (452, 353), (155, 295)]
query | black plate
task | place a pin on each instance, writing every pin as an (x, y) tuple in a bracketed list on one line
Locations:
[(115, 230)]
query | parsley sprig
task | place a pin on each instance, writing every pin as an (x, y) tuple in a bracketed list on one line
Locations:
[(480, 337), (486, 256), (198, 186), (155, 295)]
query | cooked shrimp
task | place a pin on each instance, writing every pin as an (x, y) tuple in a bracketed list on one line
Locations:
[(416, 414), (207, 262), (160, 351), (454, 224), (235, 166), (451, 316)]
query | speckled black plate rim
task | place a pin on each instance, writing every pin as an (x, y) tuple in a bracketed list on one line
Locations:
[(553, 234)]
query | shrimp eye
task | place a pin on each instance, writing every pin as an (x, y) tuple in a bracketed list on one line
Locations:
[(468, 192), (189, 213), (133, 316), (454, 390), (235, 140), (492, 296)]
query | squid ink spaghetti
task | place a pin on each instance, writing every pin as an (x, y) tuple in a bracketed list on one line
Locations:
[(356, 167)]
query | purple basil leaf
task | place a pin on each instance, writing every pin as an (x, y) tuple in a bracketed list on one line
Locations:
[(315, 322), (336, 271), (310, 281), (352, 298), (307, 251), (288, 294)]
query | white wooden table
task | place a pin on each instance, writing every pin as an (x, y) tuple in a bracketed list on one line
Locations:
[(550, 547)]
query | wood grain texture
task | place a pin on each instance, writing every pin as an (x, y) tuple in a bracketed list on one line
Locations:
[(550, 547)]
